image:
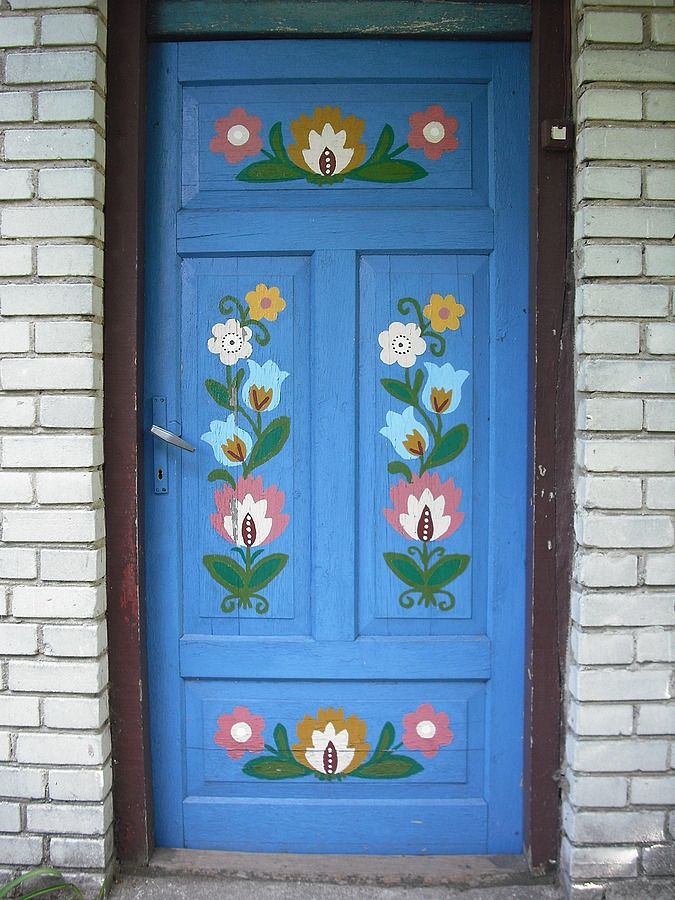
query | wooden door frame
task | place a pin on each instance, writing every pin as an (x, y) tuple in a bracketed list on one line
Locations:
[(550, 541)]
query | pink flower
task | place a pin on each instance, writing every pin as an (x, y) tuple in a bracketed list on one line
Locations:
[(433, 132), (426, 730), (249, 515), (426, 509), (240, 732), (238, 136)]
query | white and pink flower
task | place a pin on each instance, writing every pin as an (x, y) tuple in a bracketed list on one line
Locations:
[(426, 730), (238, 136), (426, 509), (240, 732), (433, 132), (249, 515)]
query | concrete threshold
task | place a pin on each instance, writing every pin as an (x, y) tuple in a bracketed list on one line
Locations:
[(462, 872)]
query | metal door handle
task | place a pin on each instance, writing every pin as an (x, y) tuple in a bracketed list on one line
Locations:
[(170, 438)]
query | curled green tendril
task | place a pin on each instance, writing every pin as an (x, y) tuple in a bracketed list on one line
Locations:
[(446, 606), (262, 605), (229, 304), (261, 333), (407, 598), (228, 604), (406, 305)]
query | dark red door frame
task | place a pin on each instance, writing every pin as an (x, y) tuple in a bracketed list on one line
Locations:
[(552, 422)]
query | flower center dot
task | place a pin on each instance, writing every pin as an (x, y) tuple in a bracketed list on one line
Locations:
[(443, 313), (238, 135), (425, 729), (402, 345), (241, 732), (433, 132), (265, 303)]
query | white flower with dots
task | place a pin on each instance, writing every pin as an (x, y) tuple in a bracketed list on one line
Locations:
[(230, 342), (401, 344)]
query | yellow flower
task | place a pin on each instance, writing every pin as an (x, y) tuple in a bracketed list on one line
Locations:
[(443, 312), (415, 444), (265, 303), (331, 744), (326, 144)]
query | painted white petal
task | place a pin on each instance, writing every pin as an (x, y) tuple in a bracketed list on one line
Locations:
[(228, 357), (342, 159), (388, 356), (246, 332), (407, 360), (316, 141), (213, 344), (344, 757), (419, 346), (315, 759), (227, 525), (341, 740)]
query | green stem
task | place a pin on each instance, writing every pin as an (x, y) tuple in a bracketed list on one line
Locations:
[(398, 151), (267, 154)]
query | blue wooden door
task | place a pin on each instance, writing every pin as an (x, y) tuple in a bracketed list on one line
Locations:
[(337, 321)]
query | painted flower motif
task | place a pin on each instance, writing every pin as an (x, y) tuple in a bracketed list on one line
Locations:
[(230, 342), (240, 732), (425, 509), (426, 730), (331, 744), (433, 132), (265, 303), (231, 445), (409, 437), (262, 389), (444, 313), (249, 515), (442, 392), (238, 136), (401, 344), (326, 143)]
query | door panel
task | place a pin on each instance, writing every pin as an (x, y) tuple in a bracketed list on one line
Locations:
[(335, 578)]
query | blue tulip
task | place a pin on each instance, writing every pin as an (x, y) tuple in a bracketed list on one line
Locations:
[(409, 437), (262, 389), (231, 445), (443, 391)]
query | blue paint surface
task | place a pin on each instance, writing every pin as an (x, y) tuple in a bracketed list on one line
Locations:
[(336, 635)]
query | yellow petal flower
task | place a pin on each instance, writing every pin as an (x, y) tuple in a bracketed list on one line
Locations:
[(265, 303), (415, 444), (330, 744), (326, 143), (443, 312)]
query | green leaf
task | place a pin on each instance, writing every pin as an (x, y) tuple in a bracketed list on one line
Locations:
[(447, 569), (383, 146), (385, 741), (265, 571), (226, 572), (273, 769), (417, 383), (405, 569), (281, 740), (448, 447), (218, 392), (222, 475), (270, 442), (269, 170), (29, 876), (389, 766), (388, 171), (399, 468), (279, 150), (398, 389)]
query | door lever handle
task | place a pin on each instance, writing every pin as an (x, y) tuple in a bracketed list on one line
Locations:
[(170, 438)]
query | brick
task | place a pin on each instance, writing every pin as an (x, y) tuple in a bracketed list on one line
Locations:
[(16, 184), (585, 863), (17, 563), (599, 221), (68, 487), (600, 492), (661, 493), (610, 182), (610, 260), (18, 850), (660, 184), (74, 411), (653, 791), (638, 608), (72, 565), (620, 755), (15, 487), (75, 640), (57, 677), (660, 569), (17, 31), (660, 415), (14, 337), (608, 719), (62, 749), (52, 221), (45, 373), (606, 570), (663, 28), (87, 712), (617, 300), (18, 639), (58, 602), (15, 259), (76, 784), (70, 259), (19, 711), (626, 455), (625, 65), (58, 4), (71, 184), (656, 718), (50, 299), (71, 106), (5, 746), (613, 27), (62, 818), (608, 337), (593, 791), (659, 106), (16, 106), (614, 684), (10, 817), (49, 526), (73, 29), (68, 337), (57, 451), (81, 853), (626, 142), (615, 827), (598, 103), (609, 414), (591, 648), (22, 782), (655, 646), (17, 412), (660, 260), (46, 66), (630, 376)]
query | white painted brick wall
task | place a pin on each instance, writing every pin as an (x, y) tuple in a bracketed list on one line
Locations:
[(55, 770), (620, 707)]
